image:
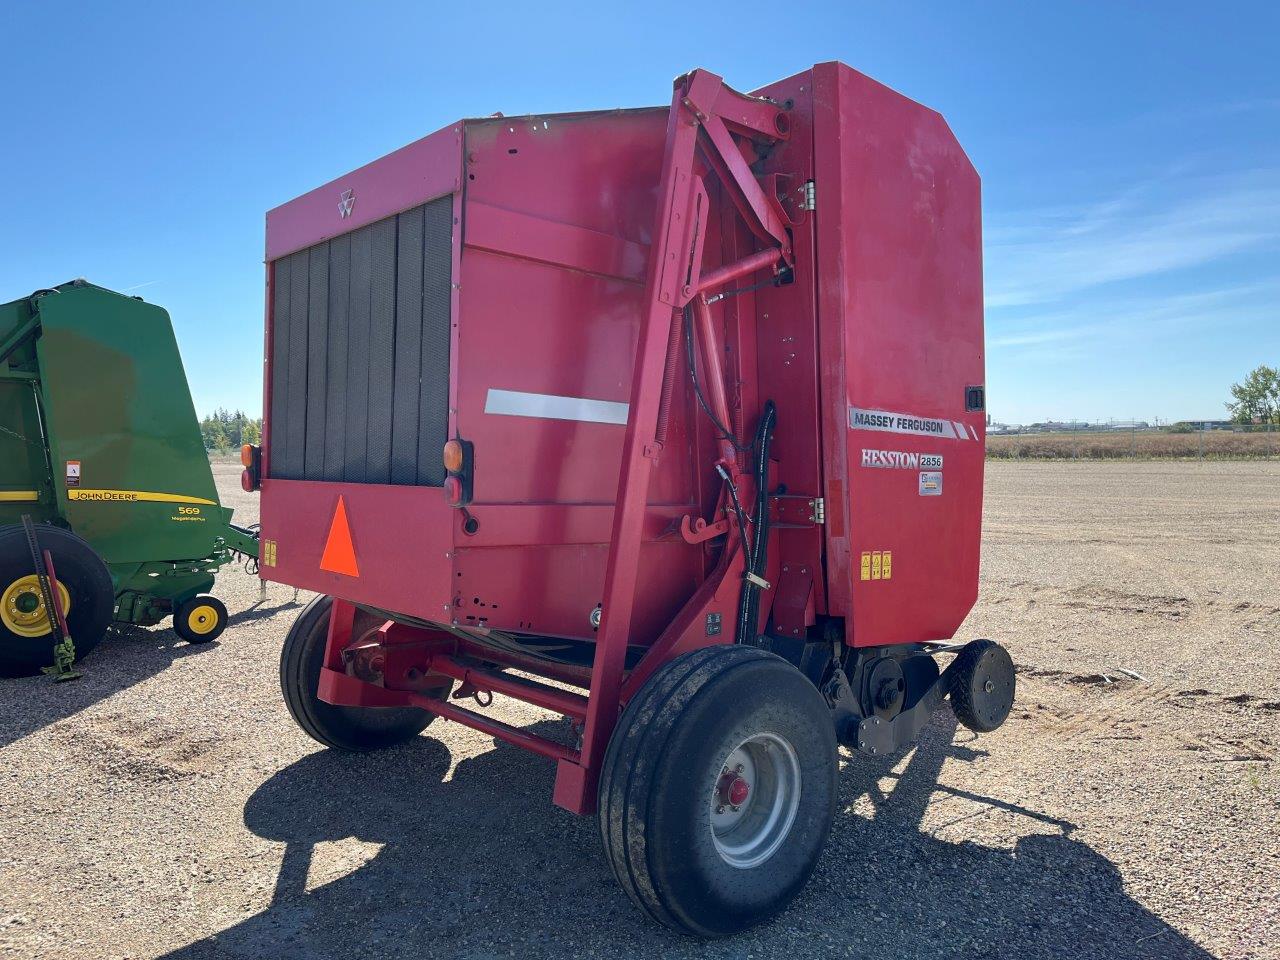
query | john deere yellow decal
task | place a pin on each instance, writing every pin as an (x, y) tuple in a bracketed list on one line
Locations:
[(134, 496)]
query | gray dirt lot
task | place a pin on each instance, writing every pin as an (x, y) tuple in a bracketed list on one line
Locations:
[(165, 805)]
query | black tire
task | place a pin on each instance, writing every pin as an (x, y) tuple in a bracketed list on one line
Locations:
[(358, 729), (200, 619), (89, 590), (658, 788), (983, 684)]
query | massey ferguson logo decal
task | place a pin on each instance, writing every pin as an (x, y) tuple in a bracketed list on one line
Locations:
[(346, 203), (889, 422), (901, 460)]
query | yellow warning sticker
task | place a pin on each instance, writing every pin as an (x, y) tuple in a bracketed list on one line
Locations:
[(269, 553), (876, 565)]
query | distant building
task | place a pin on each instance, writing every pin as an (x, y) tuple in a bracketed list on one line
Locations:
[(1208, 424)]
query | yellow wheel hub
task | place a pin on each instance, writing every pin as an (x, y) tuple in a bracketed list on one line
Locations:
[(22, 609), (202, 619)]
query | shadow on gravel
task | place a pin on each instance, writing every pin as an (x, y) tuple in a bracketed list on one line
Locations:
[(482, 865), (127, 655), (261, 611)]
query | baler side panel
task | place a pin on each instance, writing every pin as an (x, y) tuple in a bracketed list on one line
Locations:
[(25, 485), (903, 244), (556, 221), (117, 402), (788, 358)]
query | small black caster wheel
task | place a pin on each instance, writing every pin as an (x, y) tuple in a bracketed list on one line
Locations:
[(200, 619), (983, 683)]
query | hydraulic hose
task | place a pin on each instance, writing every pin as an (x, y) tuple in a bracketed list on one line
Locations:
[(756, 552)]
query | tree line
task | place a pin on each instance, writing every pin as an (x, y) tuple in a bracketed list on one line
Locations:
[(1256, 398), (223, 430)]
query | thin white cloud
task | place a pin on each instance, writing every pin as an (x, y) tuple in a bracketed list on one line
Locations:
[(1037, 338), (1119, 323), (1045, 256)]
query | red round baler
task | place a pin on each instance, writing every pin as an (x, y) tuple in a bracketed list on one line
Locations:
[(668, 420)]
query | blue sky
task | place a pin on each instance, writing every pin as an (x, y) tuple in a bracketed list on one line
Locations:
[(1130, 155)]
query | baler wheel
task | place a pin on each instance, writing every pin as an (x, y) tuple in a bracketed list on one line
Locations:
[(357, 729), (983, 684), (200, 619), (83, 583), (718, 790)]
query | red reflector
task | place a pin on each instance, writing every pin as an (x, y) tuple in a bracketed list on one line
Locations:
[(453, 491), (246, 481)]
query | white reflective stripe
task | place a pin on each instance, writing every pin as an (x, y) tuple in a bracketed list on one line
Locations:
[(516, 403), (974, 431), (961, 432)]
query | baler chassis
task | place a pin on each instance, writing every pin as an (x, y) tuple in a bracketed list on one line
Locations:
[(725, 753)]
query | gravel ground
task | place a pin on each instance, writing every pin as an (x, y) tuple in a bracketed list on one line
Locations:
[(165, 805)]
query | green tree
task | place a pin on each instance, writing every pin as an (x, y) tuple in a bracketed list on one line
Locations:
[(1257, 397), (223, 430), (214, 434)]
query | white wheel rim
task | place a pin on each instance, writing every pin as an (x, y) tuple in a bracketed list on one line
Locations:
[(749, 833)]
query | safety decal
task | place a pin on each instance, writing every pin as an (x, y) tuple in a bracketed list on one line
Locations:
[(876, 565), (73, 473), (19, 496), (134, 496), (269, 553), (930, 483), (339, 550), (889, 422)]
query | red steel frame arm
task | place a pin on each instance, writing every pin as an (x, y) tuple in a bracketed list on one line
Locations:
[(670, 273), (704, 96)]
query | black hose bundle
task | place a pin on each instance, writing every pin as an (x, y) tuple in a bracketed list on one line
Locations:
[(756, 551), (755, 547)]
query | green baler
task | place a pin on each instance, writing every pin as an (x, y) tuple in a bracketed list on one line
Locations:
[(100, 445)]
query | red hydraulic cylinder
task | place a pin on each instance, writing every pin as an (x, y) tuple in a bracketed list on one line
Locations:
[(714, 375), (741, 268)]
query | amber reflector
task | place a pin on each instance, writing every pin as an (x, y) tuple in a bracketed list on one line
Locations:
[(453, 456)]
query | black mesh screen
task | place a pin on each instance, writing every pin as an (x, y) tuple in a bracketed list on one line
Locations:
[(360, 353)]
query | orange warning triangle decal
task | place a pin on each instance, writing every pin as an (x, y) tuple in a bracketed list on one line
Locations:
[(339, 551)]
